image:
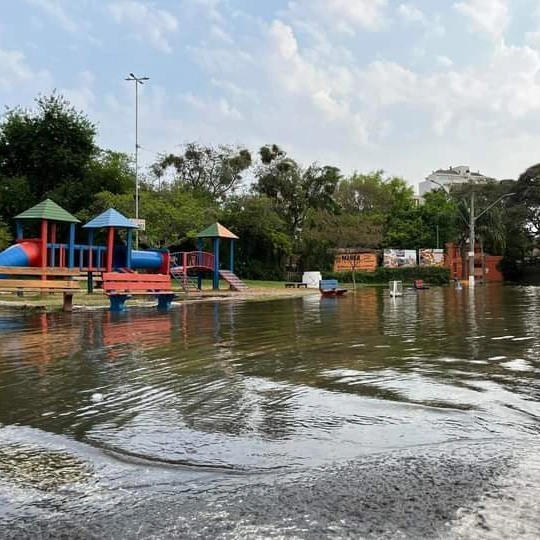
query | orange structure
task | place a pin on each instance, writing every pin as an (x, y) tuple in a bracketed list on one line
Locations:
[(486, 267)]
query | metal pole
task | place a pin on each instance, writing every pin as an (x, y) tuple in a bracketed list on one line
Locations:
[(137, 162), (137, 81), (472, 220)]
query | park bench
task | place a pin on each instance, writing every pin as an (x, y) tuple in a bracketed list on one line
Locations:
[(330, 287), (293, 284), (120, 286), (41, 280)]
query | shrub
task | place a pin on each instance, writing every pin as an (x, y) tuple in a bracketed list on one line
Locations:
[(435, 275)]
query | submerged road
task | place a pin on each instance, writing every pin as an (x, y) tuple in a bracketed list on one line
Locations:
[(486, 489)]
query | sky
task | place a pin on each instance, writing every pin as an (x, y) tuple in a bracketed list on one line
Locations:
[(403, 86)]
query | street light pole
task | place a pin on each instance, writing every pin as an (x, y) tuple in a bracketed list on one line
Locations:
[(137, 81), (472, 221)]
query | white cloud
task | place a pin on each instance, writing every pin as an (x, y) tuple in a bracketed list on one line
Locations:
[(444, 61), (341, 15), (81, 96), (55, 10), (16, 75), (491, 17), (411, 14), (364, 13), (147, 22)]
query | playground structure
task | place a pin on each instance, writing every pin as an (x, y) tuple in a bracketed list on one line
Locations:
[(57, 265)]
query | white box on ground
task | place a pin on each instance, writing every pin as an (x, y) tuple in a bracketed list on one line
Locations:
[(311, 279)]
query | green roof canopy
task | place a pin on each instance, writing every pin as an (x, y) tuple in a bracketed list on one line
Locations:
[(217, 230), (48, 210)]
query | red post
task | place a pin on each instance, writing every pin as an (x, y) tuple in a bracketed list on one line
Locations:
[(44, 234), (110, 249), (53, 233)]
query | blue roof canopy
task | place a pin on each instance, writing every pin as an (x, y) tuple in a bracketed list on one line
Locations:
[(110, 218)]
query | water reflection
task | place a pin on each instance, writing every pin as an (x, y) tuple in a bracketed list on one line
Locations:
[(279, 383)]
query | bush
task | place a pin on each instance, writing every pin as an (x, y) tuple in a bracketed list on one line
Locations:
[(435, 275)]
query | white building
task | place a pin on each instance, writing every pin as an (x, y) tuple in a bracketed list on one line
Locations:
[(449, 177)]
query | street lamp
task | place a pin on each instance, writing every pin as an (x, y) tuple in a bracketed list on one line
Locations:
[(137, 81), (472, 222)]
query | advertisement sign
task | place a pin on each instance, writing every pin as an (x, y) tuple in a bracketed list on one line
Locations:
[(141, 223), (398, 258), (431, 257), (359, 262)]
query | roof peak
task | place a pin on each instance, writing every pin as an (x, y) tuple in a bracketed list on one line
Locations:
[(217, 230), (110, 218), (47, 210)]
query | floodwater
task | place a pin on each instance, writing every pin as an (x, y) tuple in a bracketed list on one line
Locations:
[(362, 416)]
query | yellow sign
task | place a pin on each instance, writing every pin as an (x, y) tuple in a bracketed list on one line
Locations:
[(359, 262)]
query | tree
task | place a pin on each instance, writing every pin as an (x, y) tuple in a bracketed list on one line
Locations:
[(404, 227), (216, 171), (172, 217), (440, 216), (527, 199), (327, 233), (108, 171), (42, 150), (264, 242), (293, 190), (364, 193)]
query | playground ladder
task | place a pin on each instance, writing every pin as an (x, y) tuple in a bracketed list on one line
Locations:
[(233, 280), (184, 280)]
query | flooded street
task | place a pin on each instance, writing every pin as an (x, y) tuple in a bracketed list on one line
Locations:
[(362, 416)]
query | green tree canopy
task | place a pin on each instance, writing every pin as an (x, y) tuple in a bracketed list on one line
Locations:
[(216, 171), (292, 189), (44, 148), (264, 242)]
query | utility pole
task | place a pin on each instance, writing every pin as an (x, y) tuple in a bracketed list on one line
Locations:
[(472, 221), (137, 81)]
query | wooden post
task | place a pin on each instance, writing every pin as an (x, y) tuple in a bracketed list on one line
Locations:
[(91, 250), (68, 302), (71, 246), (110, 249), (215, 281), (129, 247)]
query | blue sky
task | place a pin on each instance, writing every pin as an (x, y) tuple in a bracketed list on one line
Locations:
[(404, 86)]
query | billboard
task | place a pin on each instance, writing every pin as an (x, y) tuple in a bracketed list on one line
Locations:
[(431, 257), (398, 258), (359, 262)]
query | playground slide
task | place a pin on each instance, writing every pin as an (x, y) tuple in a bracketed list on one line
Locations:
[(25, 253), (28, 253), (146, 260)]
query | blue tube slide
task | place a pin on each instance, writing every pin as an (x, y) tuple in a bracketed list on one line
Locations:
[(23, 254), (146, 260)]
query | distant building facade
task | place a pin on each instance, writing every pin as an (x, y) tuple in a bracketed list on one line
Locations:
[(450, 177)]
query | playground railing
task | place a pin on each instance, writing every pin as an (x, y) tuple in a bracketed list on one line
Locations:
[(193, 259), (85, 256)]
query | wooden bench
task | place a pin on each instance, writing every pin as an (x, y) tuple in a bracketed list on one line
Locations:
[(293, 284), (330, 287), (41, 280), (120, 286)]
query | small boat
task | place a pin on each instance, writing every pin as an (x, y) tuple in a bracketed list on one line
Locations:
[(330, 288), (396, 288), (419, 284)]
